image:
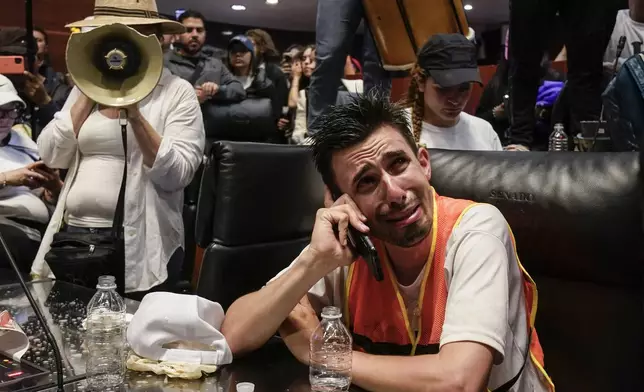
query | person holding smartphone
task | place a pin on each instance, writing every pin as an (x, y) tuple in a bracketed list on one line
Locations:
[(480, 336), (28, 188), (292, 53), (43, 92), (22, 174)]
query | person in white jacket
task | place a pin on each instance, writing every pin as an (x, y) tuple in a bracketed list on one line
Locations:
[(165, 148)]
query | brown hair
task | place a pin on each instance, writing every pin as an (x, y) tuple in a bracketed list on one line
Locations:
[(265, 46), (416, 100)]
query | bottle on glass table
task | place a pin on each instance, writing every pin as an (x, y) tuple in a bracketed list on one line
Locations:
[(105, 336), (331, 353), (558, 140)]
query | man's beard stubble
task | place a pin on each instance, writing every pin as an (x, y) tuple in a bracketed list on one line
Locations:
[(189, 50), (412, 235), (408, 236)]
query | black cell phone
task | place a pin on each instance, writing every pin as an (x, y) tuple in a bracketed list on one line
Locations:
[(362, 246)]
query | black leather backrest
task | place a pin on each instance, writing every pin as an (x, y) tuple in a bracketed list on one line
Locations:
[(253, 193), (576, 216), (230, 272)]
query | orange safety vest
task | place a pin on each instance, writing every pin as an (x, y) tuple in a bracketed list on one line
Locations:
[(375, 311)]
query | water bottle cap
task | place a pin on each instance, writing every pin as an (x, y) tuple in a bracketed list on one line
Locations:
[(331, 312), (245, 387), (106, 282)]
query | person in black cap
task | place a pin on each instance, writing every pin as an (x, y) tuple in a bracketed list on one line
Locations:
[(261, 106), (440, 87), (241, 59)]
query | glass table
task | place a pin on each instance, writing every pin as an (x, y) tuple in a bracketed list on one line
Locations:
[(271, 368), (64, 306)]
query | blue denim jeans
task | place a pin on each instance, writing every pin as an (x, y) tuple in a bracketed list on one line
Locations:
[(336, 24)]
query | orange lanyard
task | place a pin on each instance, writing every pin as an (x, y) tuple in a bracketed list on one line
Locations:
[(401, 302)]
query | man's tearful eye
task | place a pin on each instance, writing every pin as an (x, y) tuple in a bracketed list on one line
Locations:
[(366, 183), (399, 165)]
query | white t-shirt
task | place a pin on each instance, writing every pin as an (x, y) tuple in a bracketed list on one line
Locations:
[(20, 201), (153, 208), (470, 133), (632, 30), (485, 301), (92, 198)]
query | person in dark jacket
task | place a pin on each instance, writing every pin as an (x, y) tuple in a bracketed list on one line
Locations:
[(245, 68), (492, 106), (55, 82), (43, 90), (268, 57), (261, 106), (212, 81), (496, 95), (588, 25)]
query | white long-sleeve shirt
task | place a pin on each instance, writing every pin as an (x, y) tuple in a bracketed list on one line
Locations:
[(20, 201), (154, 195)]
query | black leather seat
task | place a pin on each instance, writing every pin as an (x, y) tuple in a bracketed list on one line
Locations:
[(577, 218), (256, 209)]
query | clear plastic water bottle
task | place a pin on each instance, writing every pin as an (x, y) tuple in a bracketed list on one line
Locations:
[(558, 140), (331, 353), (105, 336)]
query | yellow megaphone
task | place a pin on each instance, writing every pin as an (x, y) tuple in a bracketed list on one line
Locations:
[(114, 65)]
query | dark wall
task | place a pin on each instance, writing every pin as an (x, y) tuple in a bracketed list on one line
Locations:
[(494, 46), (282, 38), (47, 14)]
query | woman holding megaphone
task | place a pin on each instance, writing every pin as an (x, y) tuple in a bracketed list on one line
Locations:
[(123, 98)]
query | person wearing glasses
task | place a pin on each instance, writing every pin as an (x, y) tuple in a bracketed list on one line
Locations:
[(28, 188)]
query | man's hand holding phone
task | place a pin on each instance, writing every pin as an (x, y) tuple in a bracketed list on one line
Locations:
[(330, 247)]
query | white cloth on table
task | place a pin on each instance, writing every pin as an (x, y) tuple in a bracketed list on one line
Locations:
[(179, 328)]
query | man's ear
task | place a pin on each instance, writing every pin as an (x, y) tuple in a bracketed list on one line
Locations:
[(423, 159)]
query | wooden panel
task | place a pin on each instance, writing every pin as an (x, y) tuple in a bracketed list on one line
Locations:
[(197, 268), (51, 15), (425, 17)]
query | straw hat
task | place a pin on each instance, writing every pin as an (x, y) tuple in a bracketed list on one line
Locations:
[(128, 12)]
